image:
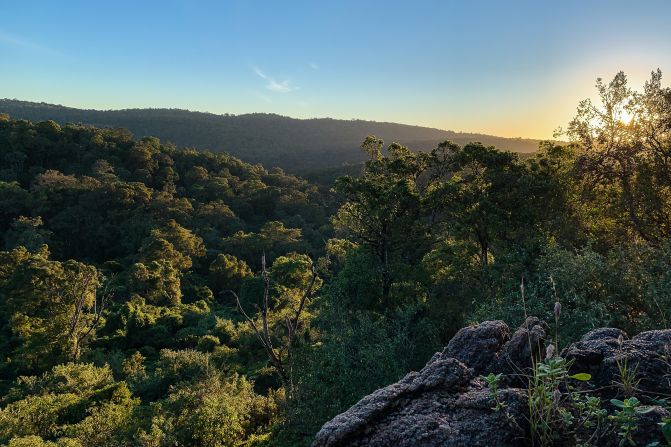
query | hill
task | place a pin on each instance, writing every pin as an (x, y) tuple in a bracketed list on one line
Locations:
[(296, 145)]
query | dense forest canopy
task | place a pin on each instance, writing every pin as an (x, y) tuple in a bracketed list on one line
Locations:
[(156, 296), (296, 145)]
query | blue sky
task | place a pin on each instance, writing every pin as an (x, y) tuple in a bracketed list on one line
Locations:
[(511, 68)]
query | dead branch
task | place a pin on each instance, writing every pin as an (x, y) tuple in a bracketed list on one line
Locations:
[(276, 355)]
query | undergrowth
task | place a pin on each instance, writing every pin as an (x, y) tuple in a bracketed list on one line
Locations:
[(565, 410)]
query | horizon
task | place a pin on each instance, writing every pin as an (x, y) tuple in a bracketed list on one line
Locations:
[(225, 114), (511, 71), (326, 224)]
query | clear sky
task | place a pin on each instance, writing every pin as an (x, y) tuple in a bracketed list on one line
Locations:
[(510, 68)]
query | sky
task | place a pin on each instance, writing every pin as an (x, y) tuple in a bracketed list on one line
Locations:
[(509, 68)]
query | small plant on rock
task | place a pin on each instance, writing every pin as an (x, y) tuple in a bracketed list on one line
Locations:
[(628, 374), (665, 425), (553, 410), (626, 417), (590, 414), (492, 381), (629, 380)]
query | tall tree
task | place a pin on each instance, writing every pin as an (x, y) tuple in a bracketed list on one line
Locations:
[(482, 195), (382, 208), (625, 151), (280, 319), (53, 308)]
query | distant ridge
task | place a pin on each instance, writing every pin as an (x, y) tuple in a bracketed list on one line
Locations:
[(296, 145)]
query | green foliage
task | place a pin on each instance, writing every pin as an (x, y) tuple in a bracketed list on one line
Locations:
[(624, 288), (666, 429), (202, 405), (50, 308), (625, 418), (295, 145), (628, 377), (625, 162), (359, 351), (36, 441), (73, 404), (158, 281), (133, 311), (382, 210), (272, 239), (560, 414), (26, 232), (227, 272), (143, 239), (492, 381), (487, 197)]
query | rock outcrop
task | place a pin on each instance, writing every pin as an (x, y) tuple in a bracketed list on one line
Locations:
[(604, 352), (447, 403)]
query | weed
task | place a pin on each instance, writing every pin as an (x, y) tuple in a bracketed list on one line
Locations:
[(666, 429), (628, 375), (625, 418), (492, 381)]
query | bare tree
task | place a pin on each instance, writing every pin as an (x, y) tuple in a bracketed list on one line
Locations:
[(280, 356), (86, 317)]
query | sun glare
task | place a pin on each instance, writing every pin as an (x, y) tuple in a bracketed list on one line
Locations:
[(625, 117)]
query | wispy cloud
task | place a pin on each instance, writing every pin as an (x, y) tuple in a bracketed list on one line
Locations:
[(313, 66), (273, 85), (19, 42)]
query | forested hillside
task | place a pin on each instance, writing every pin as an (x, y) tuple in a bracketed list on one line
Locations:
[(296, 145), (156, 296)]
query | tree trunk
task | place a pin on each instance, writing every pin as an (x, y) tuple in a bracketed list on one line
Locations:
[(386, 274), (484, 248), (484, 255)]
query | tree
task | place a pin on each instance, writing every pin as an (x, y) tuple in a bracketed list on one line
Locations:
[(382, 208), (53, 307), (183, 239), (26, 232), (277, 324), (44, 410), (14, 201), (203, 406), (483, 195), (358, 351), (158, 281), (274, 238), (625, 152), (227, 272)]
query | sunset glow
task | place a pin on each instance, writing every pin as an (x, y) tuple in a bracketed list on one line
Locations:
[(625, 117), (508, 69)]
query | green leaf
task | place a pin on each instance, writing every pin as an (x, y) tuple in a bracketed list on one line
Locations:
[(617, 403), (666, 429), (583, 377), (644, 410)]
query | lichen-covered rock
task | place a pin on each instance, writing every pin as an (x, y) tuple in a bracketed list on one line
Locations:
[(447, 404), (442, 419), (605, 352), (478, 346), (441, 374), (431, 408), (527, 341)]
